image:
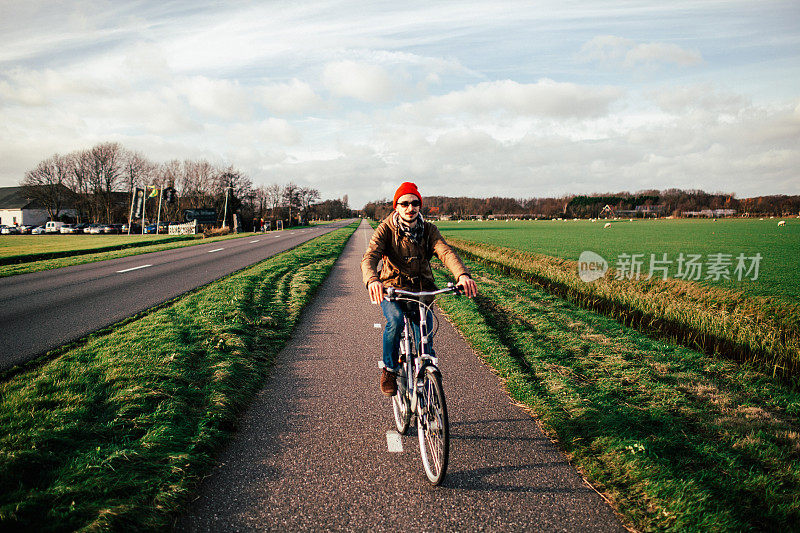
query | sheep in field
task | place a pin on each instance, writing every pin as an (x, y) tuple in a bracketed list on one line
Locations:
[(608, 225), (781, 223)]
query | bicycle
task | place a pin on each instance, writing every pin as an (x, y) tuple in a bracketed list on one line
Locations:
[(420, 395)]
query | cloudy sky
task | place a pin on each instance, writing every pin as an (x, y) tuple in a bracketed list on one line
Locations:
[(490, 98)]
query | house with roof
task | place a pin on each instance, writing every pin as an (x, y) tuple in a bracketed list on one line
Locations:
[(19, 209)]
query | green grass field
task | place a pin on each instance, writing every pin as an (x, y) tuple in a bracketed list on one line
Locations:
[(22, 254), (779, 246), (13, 245)]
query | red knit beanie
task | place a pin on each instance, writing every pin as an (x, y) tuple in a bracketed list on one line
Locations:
[(406, 188)]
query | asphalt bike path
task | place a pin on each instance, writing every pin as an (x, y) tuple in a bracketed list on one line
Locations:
[(311, 452), (43, 310)]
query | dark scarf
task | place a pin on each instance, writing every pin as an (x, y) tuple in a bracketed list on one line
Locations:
[(415, 232)]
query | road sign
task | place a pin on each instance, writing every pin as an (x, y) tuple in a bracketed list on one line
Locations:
[(202, 216)]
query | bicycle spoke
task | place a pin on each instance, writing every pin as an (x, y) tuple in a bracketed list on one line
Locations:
[(433, 432)]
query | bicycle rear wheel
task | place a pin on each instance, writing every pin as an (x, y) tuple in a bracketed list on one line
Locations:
[(401, 406), (401, 402), (433, 427)]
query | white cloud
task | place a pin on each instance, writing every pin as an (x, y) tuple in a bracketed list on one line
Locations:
[(357, 97), (545, 98), (616, 50), (705, 96), (41, 87), (262, 133), (290, 98), (216, 97), (362, 81)]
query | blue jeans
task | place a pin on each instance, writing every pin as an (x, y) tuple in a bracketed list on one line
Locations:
[(393, 311)]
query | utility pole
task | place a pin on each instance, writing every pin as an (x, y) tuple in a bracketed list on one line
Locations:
[(158, 216)]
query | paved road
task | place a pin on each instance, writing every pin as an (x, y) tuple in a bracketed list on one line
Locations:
[(311, 453), (44, 310)]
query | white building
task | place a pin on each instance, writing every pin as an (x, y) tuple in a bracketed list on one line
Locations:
[(18, 210)]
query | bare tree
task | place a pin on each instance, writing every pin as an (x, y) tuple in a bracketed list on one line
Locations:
[(261, 201), (96, 174), (79, 181), (46, 184), (307, 197), (274, 197), (196, 183), (291, 198), (231, 188), (137, 171)]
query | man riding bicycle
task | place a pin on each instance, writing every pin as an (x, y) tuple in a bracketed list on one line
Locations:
[(406, 243)]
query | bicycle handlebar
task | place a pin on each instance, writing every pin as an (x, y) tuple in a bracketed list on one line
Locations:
[(391, 292)]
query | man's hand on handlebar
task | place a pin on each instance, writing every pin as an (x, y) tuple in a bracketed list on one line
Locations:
[(468, 286), (375, 292)]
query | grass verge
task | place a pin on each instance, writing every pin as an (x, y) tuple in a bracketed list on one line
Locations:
[(116, 433), (762, 331), (678, 440)]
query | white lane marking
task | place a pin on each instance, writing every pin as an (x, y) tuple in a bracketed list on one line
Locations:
[(134, 268), (393, 441), (251, 242), (215, 250), (377, 326)]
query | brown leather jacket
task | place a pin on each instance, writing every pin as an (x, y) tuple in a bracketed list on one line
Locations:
[(406, 264)]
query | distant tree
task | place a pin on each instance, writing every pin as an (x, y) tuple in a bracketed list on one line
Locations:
[(307, 197), (231, 187), (105, 173), (377, 210), (291, 199), (274, 197), (195, 183), (46, 184), (332, 209)]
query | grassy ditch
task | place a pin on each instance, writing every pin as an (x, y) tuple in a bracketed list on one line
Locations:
[(116, 433), (677, 439), (762, 331)]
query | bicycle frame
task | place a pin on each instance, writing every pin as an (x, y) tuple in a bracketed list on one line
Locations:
[(425, 357), (419, 395)]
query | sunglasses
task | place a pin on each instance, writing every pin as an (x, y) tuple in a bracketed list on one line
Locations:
[(415, 203)]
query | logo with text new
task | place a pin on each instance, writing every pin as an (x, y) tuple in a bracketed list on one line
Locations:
[(591, 266)]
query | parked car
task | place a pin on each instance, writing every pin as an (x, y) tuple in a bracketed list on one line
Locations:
[(135, 228), (9, 230), (53, 226), (38, 230), (81, 228), (115, 228), (66, 229), (26, 229), (94, 229)]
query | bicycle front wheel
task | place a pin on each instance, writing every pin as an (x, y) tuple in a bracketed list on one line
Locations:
[(433, 427)]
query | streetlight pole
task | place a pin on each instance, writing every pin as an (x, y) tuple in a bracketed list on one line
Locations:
[(225, 212)]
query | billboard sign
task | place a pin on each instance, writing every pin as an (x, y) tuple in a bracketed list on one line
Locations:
[(202, 216)]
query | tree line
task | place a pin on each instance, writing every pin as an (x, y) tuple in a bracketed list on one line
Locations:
[(99, 183), (674, 202)]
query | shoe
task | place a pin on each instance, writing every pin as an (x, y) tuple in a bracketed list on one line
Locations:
[(388, 383)]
